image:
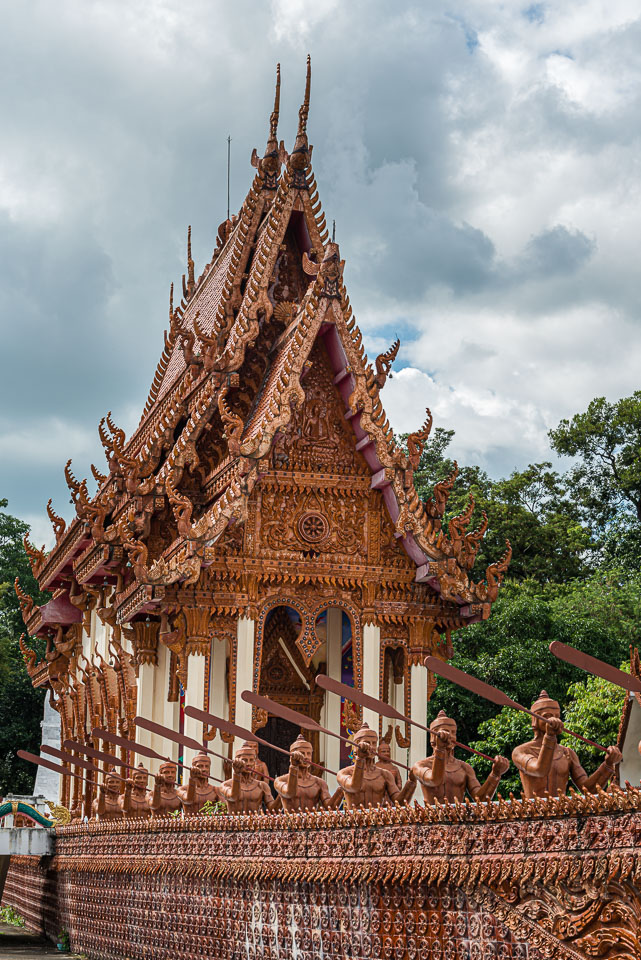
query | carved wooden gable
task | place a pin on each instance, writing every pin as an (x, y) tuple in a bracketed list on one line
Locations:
[(318, 438)]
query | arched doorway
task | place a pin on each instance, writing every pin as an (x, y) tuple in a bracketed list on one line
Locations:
[(287, 679)]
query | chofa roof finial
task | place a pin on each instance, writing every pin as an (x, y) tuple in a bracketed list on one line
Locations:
[(273, 120), (303, 113)]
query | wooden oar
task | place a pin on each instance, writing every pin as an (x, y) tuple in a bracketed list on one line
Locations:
[(293, 716), (379, 706), (76, 761), (50, 765), (140, 749), (591, 665), (100, 755), (490, 693), (179, 738), (234, 730)]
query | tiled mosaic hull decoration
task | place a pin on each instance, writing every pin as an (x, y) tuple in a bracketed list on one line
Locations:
[(304, 887)]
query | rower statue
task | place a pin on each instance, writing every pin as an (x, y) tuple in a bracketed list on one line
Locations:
[(299, 789), (442, 777), (106, 806), (546, 766), (366, 784), (245, 793), (261, 770), (199, 790), (164, 798), (135, 800), (384, 762)]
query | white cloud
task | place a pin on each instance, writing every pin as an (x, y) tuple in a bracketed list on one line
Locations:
[(481, 161)]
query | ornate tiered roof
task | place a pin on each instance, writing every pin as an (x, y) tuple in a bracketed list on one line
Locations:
[(269, 307)]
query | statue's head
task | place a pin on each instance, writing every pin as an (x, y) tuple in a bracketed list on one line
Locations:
[(384, 750), (302, 747), (112, 783), (168, 773), (545, 706), (201, 765), (246, 753), (140, 777), (442, 724), (365, 734)]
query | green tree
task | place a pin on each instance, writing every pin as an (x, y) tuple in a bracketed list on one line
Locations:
[(592, 708), (531, 508), (606, 439), (511, 651), (20, 705)]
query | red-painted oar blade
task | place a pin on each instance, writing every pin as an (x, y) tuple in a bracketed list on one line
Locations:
[(591, 665), (225, 725), (168, 734), (68, 758), (130, 745), (264, 703), (98, 755), (49, 764), (234, 730), (473, 684), (356, 696)]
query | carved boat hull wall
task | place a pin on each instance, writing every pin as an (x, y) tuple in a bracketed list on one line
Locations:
[(340, 886)]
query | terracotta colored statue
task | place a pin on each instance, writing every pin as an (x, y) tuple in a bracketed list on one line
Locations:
[(364, 783), (164, 797), (384, 762), (546, 766), (135, 800), (244, 793), (106, 806), (199, 790), (299, 789), (443, 777), (261, 770)]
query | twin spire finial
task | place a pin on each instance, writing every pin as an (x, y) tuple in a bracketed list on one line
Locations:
[(273, 120), (303, 113)]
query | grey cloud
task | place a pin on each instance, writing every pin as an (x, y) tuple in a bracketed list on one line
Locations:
[(428, 138)]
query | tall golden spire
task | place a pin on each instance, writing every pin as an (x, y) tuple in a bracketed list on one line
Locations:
[(303, 113), (273, 120)]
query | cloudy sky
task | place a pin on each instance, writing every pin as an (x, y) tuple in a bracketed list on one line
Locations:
[(482, 161)]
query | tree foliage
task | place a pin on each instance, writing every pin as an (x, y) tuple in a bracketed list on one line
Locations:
[(606, 439), (20, 705)]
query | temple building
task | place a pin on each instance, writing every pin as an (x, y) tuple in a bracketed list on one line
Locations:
[(261, 524)]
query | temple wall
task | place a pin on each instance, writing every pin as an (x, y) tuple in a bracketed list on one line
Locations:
[(499, 881)]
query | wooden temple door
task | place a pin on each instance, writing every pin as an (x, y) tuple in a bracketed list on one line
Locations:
[(285, 678)]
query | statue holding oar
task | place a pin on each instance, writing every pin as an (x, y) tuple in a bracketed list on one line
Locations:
[(544, 765), (456, 778)]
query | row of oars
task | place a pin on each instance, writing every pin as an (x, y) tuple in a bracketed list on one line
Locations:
[(465, 680)]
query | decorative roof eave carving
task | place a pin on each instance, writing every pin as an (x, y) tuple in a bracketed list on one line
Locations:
[(75, 538)]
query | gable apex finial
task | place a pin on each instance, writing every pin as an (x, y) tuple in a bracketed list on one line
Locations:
[(273, 120), (303, 113)]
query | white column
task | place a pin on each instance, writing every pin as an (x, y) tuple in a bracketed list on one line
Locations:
[(418, 712), (145, 700), (165, 713), (330, 746), (47, 782), (194, 697), (218, 698), (397, 700), (630, 768), (244, 672), (371, 666)]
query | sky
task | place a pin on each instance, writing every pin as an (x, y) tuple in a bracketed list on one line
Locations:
[(482, 161)]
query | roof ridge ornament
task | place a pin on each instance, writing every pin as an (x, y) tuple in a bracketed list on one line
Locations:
[(301, 155), (188, 288), (275, 154)]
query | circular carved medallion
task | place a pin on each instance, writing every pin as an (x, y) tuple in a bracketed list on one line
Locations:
[(313, 527)]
